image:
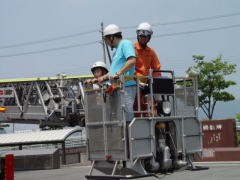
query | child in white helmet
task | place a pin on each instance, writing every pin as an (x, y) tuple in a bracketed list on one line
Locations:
[(98, 69)]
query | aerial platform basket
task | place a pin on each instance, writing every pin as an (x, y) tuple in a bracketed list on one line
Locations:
[(122, 150)]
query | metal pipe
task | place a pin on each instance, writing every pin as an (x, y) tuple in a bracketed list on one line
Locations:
[(114, 168), (63, 153), (152, 128), (138, 97), (82, 92), (108, 53), (91, 170), (41, 99), (25, 103), (183, 139), (104, 123), (16, 97)]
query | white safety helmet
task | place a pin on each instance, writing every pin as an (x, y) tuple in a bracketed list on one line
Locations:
[(100, 64), (111, 29), (144, 29)]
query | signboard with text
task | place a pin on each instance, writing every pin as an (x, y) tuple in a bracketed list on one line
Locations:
[(219, 133)]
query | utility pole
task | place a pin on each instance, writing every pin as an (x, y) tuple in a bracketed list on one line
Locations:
[(103, 44), (105, 48)]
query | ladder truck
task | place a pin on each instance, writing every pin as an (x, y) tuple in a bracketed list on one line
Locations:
[(56, 101)]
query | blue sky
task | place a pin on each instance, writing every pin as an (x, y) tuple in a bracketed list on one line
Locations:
[(34, 20)]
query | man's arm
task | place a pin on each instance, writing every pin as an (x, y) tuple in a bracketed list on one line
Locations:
[(130, 62), (102, 78), (156, 64), (129, 53)]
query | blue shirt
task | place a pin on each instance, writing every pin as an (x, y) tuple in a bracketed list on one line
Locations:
[(124, 50)]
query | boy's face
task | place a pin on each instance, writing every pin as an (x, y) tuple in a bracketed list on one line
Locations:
[(97, 72)]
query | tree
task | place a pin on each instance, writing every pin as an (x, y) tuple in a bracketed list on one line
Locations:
[(2, 126), (238, 117), (212, 82)]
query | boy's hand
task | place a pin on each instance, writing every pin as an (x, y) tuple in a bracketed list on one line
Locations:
[(94, 81), (88, 81)]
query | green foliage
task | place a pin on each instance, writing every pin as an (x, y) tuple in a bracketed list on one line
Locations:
[(238, 139), (2, 126), (212, 82), (238, 117)]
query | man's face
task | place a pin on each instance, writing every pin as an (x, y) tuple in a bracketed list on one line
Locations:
[(109, 40), (143, 40)]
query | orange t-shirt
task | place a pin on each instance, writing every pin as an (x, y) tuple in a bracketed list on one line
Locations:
[(146, 59)]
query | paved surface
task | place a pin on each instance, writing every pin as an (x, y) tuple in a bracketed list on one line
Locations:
[(216, 172)]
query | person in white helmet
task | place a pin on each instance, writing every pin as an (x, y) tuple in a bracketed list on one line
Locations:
[(123, 63), (146, 59), (98, 69), (146, 56)]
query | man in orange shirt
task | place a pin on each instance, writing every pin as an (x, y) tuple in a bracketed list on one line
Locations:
[(146, 56), (146, 59)]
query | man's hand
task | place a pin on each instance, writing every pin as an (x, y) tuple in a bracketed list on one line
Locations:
[(142, 85), (102, 78), (112, 77)]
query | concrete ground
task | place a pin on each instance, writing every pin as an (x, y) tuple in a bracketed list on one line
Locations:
[(217, 171)]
